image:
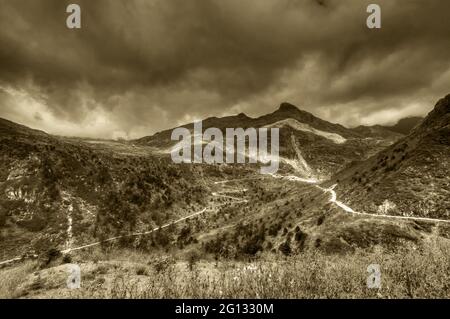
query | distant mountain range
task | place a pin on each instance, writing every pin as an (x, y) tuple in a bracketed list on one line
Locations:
[(403, 127)]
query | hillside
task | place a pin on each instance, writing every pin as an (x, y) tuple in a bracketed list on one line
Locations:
[(411, 177), (324, 146), (66, 193), (98, 202), (405, 126), (378, 131), (8, 128), (57, 192), (400, 129)]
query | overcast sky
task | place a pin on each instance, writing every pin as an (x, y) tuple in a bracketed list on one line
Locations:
[(139, 66)]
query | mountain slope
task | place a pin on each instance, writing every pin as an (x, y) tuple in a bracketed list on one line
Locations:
[(7, 127), (325, 147), (55, 192), (410, 177), (379, 131), (58, 193), (405, 126), (395, 132)]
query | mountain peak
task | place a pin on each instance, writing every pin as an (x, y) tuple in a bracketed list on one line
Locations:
[(438, 117), (287, 107), (443, 106), (242, 115)]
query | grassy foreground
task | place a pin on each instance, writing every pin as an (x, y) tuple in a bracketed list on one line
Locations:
[(410, 272)]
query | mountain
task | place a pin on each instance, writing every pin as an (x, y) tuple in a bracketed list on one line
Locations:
[(8, 127), (52, 187), (289, 111), (304, 138), (58, 192), (379, 131), (409, 178), (394, 132), (285, 111), (404, 126)]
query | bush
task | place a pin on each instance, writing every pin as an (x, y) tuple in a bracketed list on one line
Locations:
[(162, 264), (142, 271), (49, 256), (320, 220), (67, 259), (252, 246), (285, 248)]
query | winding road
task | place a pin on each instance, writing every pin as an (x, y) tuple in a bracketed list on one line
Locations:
[(347, 209), (215, 194), (292, 178), (10, 261), (135, 234)]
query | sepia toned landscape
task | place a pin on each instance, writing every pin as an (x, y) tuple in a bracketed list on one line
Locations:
[(140, 226), (90, 195)]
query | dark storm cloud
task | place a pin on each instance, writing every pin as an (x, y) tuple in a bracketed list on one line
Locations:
[(139, 66)]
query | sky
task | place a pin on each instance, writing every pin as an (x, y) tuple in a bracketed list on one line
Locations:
[(137, 67)]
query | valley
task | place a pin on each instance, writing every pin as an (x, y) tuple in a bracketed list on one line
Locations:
[(93, 202)]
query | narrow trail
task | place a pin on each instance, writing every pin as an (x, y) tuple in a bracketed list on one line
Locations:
[(230, 197), (348, 209), (10, 261), (351, 211), (135, 234), (238, 180), (332, 192), (237, 201), (69, 232), (292, 178), (69, 229), (334, 200)]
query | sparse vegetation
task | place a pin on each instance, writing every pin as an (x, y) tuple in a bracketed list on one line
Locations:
[(409, 272), (58, 191)]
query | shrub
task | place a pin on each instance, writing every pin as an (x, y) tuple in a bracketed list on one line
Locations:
[(67, 259), (320, 220), (285, 248), (162, 264), (142, 271), (193, 258), (252, 246)]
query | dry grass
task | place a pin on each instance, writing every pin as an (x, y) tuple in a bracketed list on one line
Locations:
[(10, 279), (408, 273), (411, 272)]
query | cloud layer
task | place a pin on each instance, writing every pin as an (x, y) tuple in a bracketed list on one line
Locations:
[(140, 66)]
